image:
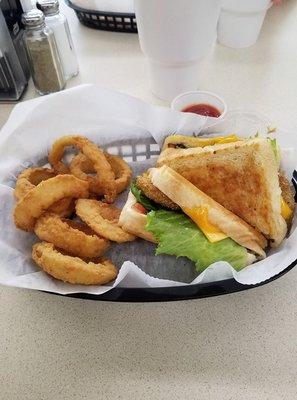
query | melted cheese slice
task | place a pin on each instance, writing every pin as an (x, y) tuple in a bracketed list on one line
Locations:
[(226, 139), (286, 211), (203, 142), (200, 216)]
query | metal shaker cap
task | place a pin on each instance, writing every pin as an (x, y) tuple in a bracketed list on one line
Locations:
[(48, 7), (33, 18)]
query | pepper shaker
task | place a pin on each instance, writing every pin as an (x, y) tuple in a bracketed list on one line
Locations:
[(45, 64), (59, 24)]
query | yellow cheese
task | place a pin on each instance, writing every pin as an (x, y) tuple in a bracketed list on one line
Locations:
[(216, 140), (200, 216), (226, 139), (286, 212)]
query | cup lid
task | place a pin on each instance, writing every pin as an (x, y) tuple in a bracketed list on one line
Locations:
[(33, 18), (48, 6)]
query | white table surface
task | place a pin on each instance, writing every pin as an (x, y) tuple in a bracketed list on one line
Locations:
[(240, 346)]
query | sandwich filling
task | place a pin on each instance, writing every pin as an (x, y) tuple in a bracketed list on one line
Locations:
[(188, 229), (187, 142), (199, 215), (244, 176), (144, 184), (177, 234)]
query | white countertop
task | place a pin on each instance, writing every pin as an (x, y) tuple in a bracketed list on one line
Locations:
[(240, 346)]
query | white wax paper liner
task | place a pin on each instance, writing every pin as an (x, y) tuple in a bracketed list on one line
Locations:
[(106, 116)]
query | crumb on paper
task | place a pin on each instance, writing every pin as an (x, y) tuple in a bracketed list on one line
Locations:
[(271, 129)]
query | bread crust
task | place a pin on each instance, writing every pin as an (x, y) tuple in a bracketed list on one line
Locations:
[(133, 221)]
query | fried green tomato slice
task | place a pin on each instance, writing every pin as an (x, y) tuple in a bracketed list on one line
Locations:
[(144, 183)]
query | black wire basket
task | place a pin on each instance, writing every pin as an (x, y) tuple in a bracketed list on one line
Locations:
[(106, 21)]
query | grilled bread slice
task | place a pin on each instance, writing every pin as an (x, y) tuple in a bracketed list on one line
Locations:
[(189, 197), (134, 221), (242, 176)]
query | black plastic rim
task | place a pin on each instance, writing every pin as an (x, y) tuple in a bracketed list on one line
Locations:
[(106, 21), (199, 291)]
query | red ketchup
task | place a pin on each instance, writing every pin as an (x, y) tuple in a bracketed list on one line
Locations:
[(203, 109)]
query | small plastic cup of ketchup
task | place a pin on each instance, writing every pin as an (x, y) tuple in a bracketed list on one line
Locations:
[(202, 103)]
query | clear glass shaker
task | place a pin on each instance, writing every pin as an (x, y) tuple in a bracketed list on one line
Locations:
[(45, 64), (59, 24), (12, 78)]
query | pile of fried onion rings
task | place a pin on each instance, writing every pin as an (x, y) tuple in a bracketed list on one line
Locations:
[(68, 207)]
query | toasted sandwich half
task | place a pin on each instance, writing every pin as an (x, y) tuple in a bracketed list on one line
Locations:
[(241, 175), (199, 228)]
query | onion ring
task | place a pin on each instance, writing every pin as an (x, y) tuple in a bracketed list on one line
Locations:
[(31, 177), (73, 237), (44, 195), (72, 269), (111, 213), (81, 166), (64, 207), (93, 153), (94, 215)]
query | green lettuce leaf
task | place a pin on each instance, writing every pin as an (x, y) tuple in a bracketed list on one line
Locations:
[(276, 149), (177, 235), (274, 145), (142, 199)]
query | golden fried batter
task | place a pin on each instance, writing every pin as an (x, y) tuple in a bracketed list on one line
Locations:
[(44, 195), (288, 195), (287, 190), (73, 237), (72, 269), (93, 153), (31, 177), (145, 185), (94, 214), (81, 166)]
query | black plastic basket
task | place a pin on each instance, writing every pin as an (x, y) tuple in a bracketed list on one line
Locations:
[(106, 21)]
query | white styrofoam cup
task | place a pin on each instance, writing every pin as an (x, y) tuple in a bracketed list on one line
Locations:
[(240, 22), (168, 80), (175, 36)]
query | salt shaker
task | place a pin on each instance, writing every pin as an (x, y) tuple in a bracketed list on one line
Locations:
[(44, 60), (59, 24)]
